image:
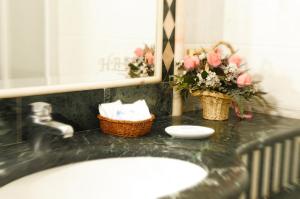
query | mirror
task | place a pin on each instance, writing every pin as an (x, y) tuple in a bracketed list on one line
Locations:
[(51, 46)]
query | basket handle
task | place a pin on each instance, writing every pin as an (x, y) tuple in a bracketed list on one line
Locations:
[(223, 43), (201, 50)]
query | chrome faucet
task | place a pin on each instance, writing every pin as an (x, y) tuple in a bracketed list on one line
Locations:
[(41, 130), (41, 114)]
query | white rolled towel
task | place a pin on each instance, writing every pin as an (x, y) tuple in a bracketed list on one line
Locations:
[(136, 111)]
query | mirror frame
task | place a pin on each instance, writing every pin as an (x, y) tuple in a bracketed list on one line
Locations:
[(50, 89)]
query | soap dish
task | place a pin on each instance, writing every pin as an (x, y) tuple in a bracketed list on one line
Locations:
[(124, 128), (189, 131)]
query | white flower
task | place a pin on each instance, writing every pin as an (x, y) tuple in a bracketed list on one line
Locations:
[(202, 56), (180, 63), (231, 68), (201, 80), (140, 59), (229, 77), (231, 71), (212, 80), (143, 70)]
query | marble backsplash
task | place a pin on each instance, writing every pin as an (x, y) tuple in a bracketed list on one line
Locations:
[(79, 108)]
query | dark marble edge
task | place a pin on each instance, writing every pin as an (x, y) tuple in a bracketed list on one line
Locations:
[(264, 141), (227, 175)]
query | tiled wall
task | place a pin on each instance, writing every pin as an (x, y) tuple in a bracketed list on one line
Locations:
[(80, 108), (264, 33), (168, 39)]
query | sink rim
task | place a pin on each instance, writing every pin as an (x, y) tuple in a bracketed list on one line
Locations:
[(61, 168)]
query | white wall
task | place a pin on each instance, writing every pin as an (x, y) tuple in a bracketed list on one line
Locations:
[(267, 35)]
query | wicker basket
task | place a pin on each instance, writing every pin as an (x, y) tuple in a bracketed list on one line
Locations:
[(215, 105), (125, 128)]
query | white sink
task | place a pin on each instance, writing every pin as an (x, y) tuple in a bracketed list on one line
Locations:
[(137, 177)]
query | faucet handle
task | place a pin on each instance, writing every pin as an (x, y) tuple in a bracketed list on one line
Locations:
[(41, 109)]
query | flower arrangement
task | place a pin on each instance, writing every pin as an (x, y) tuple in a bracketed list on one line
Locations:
[(219, 70), (142, 65)]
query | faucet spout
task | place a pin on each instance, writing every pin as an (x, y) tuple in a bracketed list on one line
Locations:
[(63, 130), (43, 130), (42, 115)]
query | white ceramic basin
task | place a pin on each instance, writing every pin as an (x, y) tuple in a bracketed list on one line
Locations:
[(137, 177)]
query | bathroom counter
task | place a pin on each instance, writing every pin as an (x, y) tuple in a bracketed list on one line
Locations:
[(227, 177)]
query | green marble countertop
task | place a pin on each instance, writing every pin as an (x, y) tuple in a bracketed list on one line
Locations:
[(218, 154)]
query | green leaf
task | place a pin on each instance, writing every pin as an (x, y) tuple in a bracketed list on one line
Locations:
[(240, 101), (204, 74), (134, 74), (133, 67), (262, 101)]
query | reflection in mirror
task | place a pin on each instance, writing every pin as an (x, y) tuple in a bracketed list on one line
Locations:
[(60, 42)]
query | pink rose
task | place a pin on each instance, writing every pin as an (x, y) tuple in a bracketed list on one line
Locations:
[(149, 58), (235, 59), (214, 58), (139, 52), (196, 60), (191, 62), (244, 80)]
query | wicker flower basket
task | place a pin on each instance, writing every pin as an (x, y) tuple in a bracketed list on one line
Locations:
[(125, 128), (215, 105)]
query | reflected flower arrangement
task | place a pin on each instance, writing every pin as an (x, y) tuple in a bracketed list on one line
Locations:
[(142, 64)]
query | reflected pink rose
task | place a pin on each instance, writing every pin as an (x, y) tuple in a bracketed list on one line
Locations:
[(235, 59), (214, 58), (244, 80), (149, 58), (191, 63), (139, 52)]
